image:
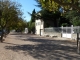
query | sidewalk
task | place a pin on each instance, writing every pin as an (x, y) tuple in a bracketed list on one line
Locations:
[(32, 47)]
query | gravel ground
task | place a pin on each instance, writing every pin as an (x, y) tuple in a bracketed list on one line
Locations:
[(32, 47), (8, 52)]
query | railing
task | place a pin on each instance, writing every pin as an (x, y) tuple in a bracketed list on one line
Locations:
[(53, 30), (60, 30)]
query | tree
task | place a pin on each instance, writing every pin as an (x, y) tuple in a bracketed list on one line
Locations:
[(33, 15), (21, 25), (9, 18), (74, 17), (51, 11), (31, 24), (51, 18), (47, 4), (74, 4), (31, 27), (53, 5)]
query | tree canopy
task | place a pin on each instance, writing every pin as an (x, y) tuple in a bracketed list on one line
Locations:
[(10, 15), (53, 5)]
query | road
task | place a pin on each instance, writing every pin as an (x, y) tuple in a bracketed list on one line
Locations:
[(32, 47)]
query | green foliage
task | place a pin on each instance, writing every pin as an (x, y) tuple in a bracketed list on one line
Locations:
[(52, 19), (65, 24), (9, 14), (54, 5), (31, 27), (21, 25), (12, 15), (33, 15), (48, 5), (74, 17), (31, 24), (51, 15)]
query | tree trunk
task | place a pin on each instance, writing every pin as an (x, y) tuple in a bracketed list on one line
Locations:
[(2, 35)]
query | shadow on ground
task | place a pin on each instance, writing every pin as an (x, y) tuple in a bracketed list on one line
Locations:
[(48, 49)]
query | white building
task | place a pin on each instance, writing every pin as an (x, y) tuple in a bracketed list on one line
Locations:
[(39, 27)]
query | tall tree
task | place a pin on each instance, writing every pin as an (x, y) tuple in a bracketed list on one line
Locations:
[(31, 24), (9, 18), (21, 25), (33, 15)]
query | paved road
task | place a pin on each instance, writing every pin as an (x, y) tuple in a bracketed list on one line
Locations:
[(32, 47)]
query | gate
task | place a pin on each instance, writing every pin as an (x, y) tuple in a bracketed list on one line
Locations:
[(67, 32)]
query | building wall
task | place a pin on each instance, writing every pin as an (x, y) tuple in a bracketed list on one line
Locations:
[(39, 24)]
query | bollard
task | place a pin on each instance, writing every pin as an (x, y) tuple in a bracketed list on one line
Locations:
[(78, 42)]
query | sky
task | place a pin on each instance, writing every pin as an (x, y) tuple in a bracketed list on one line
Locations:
[(28, 6)]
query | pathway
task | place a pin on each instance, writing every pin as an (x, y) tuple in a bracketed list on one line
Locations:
[(32, 47)]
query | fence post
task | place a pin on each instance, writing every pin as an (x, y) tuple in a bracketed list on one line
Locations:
[(61, 31), (78, 42), (78, 47), (40, 32), (66, 30), (71, 31)]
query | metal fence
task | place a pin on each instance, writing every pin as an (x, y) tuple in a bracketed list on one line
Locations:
[(76, 29), (53, 30), (63, 29), (60, 30), (66, 30)]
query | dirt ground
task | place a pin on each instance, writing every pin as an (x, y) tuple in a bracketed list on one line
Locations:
[(32, 47)]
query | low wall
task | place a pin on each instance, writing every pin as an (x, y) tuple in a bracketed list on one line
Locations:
[(74, 36), (52, 34)]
